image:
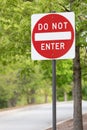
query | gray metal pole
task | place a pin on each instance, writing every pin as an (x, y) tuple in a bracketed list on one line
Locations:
[(54, 93)]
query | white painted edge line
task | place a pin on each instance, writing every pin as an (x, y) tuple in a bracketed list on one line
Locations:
[(53, 36)]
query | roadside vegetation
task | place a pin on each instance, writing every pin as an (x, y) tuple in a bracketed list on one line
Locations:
[(23, 81)]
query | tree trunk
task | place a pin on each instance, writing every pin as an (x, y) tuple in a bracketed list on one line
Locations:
[(46, 98), (77, 92), (31, 97), (65, 96), (32, 93)]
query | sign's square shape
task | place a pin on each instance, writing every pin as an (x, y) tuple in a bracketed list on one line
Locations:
[(53, 36)]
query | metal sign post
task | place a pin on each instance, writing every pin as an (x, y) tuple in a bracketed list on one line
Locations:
[(54, 93)]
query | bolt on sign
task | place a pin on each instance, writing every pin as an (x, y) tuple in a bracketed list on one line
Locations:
[(53, 36)]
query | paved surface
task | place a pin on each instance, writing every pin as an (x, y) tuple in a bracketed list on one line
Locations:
[(37, 117)]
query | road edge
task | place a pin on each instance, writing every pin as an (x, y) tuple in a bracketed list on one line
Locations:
[(58, 123)]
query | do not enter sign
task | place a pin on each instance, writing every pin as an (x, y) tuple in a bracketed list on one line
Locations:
[(53, 36)]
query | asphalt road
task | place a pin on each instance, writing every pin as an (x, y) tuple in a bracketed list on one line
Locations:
[(37, 117)]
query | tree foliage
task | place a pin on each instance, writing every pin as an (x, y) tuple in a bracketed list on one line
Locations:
[(19, 75)]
